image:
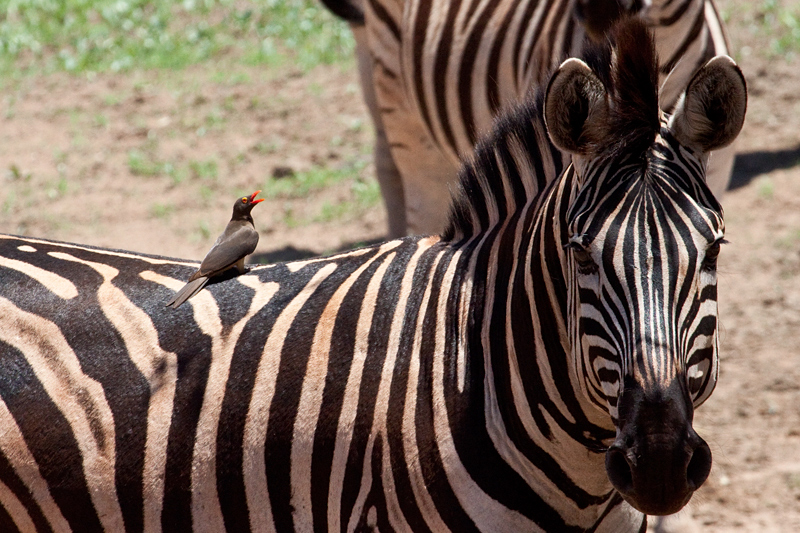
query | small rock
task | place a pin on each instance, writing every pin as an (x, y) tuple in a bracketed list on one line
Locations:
[(281, 172)]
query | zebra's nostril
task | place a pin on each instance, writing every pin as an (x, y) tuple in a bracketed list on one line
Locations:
[(618, 470), (699, 467)]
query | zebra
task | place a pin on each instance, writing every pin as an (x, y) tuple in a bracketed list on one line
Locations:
[(534, 368), (435, 73)]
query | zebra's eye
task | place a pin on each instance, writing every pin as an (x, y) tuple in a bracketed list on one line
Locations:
[(712, 253), (586, 264)]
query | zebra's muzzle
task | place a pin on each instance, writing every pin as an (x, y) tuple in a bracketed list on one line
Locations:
[(657, 460)]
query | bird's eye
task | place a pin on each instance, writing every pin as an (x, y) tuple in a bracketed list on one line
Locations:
[(712, 253), (583, 258), (244, 200)]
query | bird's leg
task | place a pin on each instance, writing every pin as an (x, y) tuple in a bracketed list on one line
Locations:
[(240, 266)]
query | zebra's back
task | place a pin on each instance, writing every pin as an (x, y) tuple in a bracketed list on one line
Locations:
[(121, 414)]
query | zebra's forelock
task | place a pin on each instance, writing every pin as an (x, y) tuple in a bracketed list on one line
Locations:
[(627, 65)]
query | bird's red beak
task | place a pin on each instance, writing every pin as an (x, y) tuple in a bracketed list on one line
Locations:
[(253, 198)]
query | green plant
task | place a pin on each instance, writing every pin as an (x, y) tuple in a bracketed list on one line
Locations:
[(141, 164), (119, 35), (766, 189), (204, 170), (159, 210), (305, 182)]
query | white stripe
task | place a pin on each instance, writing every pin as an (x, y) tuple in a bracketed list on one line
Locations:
[(423, 498), (102, 251), (58, 285), (13, 446), (715, 29), (15, 509), (255, 431), (310, 403), (395, 513), (206, 510), (344, 432), (157, 366), (487, 513), (294, 266), (59, 371)]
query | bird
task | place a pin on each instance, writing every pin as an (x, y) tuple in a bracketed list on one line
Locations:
[(237, 241)]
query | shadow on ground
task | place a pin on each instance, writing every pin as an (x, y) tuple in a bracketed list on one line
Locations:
[(749, 165), (290, 253)]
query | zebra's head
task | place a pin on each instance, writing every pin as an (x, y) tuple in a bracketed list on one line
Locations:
[(641, 238)]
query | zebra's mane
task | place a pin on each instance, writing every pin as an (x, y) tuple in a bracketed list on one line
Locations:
[(516, 161)]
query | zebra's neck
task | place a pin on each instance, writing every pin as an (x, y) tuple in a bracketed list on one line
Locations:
[(525, 394)]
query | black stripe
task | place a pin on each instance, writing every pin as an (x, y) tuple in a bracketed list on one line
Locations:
[(194, 360), (528, 15), (339, 365), (690, 38), (385, 18), (288, 387), (9, 477), (440, 73), (397, 397), (419, 44), (49, 438), (437, 484), (466, 64), (474, 445), (677, 14), (388, 297)]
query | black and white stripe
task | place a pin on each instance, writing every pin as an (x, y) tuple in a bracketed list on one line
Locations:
[(485, 380), (436, 73)]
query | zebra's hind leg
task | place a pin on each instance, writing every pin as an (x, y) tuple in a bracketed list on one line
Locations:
[(416, 177), (428, 176), (387, 173)]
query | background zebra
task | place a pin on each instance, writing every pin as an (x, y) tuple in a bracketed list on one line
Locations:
[(435, 73), (536, 368)]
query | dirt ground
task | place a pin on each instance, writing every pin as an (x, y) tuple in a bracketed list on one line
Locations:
[(152, 162)]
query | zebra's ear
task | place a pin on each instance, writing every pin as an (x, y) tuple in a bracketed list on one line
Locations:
[(575, 108), (710, 114)]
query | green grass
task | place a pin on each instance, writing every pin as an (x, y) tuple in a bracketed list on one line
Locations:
[(159, 210), (366, 194), (204, 170), (120, 35), (782, 24), (142, 164), (301, 184), (776, 23), (766, 188)]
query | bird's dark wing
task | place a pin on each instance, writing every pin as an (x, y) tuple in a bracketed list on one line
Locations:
[(228, 250)]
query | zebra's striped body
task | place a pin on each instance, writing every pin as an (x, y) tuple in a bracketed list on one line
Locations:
[(435, 74), (495, 379)]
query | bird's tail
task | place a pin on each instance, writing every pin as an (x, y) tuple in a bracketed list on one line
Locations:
[(188, 290)]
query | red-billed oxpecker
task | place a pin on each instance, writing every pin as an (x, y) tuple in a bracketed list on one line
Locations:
[(237, 241)]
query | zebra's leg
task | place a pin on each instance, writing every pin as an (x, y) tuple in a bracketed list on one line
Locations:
[(424, 176), (429, 181), (428, 176), (388, 176), (720, 168)]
